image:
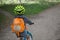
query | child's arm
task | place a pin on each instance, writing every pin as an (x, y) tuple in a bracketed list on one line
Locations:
[(28, 21)]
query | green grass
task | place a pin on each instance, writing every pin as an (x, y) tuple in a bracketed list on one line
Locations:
[(31, 9)]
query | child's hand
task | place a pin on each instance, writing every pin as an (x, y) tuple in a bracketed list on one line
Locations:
[(31, 23)]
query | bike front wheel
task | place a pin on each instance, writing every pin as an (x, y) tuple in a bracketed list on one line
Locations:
[(29, 36)]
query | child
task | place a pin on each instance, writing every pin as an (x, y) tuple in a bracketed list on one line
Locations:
[(19, 10)]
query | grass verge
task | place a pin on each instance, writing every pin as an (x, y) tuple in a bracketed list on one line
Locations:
[(31, 9)]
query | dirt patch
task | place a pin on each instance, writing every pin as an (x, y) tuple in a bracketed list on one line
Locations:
[(4, 21)]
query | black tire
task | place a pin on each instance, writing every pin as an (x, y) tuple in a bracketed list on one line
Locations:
[(21, 38)]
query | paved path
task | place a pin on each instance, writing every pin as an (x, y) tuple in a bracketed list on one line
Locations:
[(46, 27)]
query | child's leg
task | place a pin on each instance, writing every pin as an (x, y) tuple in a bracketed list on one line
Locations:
[(25, 35)]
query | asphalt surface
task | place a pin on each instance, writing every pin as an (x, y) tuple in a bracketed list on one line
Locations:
[(46, 27)]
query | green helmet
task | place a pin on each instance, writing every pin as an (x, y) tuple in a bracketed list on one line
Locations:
[(19, 9)]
